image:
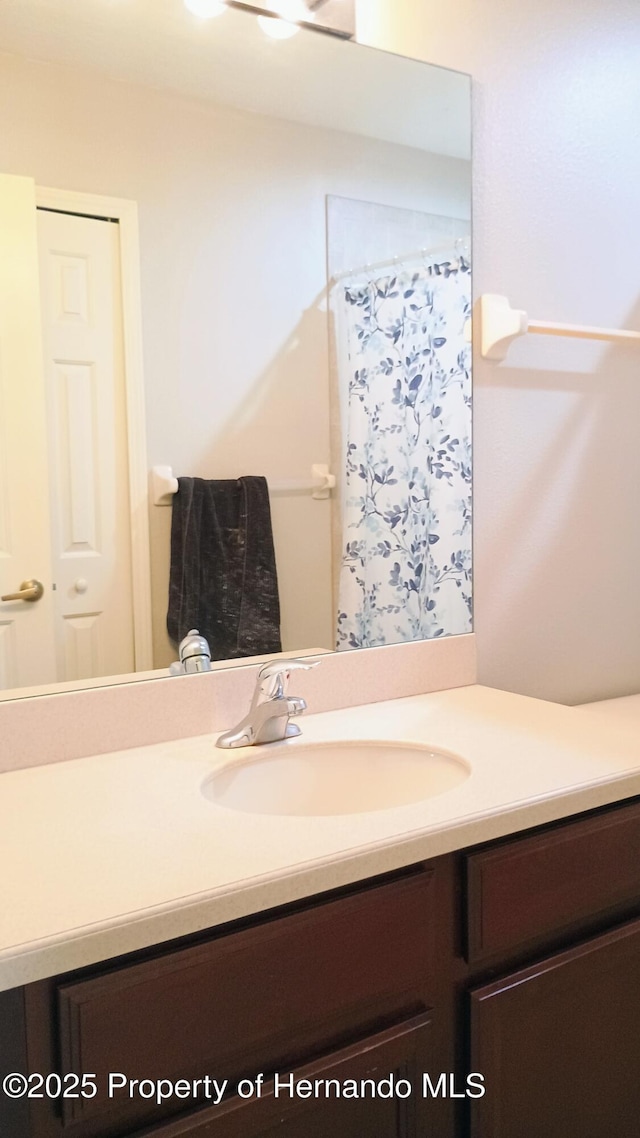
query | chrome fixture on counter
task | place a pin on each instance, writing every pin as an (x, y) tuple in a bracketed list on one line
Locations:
[(195, 655), (267, 720)]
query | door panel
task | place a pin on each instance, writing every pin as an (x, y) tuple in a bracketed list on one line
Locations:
[(26, 646), (85, 380)]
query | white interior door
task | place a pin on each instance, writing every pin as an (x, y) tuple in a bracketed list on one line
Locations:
[(87, 425), (26, 645)]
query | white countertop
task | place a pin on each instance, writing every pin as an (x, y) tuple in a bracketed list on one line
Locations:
[(626, 708), (107, 854)]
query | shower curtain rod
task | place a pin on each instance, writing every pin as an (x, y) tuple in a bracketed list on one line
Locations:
[(399, 260)]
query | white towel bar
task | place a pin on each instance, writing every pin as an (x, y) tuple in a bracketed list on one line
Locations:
[(500, 325), (164, 485)]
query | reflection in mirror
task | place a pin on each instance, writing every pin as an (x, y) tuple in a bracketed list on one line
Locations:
[(304, 264), (337, 16)]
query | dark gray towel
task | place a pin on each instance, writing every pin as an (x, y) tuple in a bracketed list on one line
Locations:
[(223, 577)]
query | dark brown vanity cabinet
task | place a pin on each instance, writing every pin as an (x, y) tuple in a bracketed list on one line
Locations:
[(518, 960), (558, 1037), (356, 984)]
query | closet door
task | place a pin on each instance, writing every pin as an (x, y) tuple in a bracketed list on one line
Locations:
[(81, 304), (26, 642)]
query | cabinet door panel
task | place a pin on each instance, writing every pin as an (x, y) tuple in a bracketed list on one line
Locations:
[(401, 1052), (558, 1044)]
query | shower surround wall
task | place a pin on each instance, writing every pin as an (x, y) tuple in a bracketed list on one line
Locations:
[(556, 428), (361, 233)]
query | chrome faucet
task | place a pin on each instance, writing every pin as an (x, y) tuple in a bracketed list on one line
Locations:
[(267, 720), (195, 655)]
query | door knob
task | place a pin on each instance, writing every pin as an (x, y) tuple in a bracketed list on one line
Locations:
[(29, 591)]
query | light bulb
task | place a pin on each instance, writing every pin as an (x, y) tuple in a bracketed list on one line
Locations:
[(206, 8), (289, 11), (277, 29)]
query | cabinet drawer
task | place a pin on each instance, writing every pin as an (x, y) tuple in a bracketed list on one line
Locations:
[(250, 1000), (529, 889)]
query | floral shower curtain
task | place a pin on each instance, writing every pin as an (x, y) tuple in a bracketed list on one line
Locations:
[(405, 571)]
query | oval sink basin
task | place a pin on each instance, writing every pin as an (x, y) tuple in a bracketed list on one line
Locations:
[(335, 778)]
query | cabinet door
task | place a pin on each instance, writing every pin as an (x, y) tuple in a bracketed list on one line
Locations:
[(558, 1044), (397, 1056)]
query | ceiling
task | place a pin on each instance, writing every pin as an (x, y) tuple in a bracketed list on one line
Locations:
[(313, 78)]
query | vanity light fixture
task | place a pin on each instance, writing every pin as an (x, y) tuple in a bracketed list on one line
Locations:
[(285, 24), (282, 21), (206, 8)]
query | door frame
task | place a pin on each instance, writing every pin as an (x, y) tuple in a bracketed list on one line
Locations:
[(126, 214)]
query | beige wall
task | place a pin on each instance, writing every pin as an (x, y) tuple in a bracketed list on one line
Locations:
[(557, 428), (233, 250)]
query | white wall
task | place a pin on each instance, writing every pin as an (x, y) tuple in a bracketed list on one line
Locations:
[(557, 428), (233, 248)]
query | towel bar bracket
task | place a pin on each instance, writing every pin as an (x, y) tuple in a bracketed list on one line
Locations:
[(163, 485)]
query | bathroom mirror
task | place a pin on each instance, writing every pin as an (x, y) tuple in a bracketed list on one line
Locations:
[(304, 215)]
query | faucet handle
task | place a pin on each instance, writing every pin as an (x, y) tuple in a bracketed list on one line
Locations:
[(273, 676)]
